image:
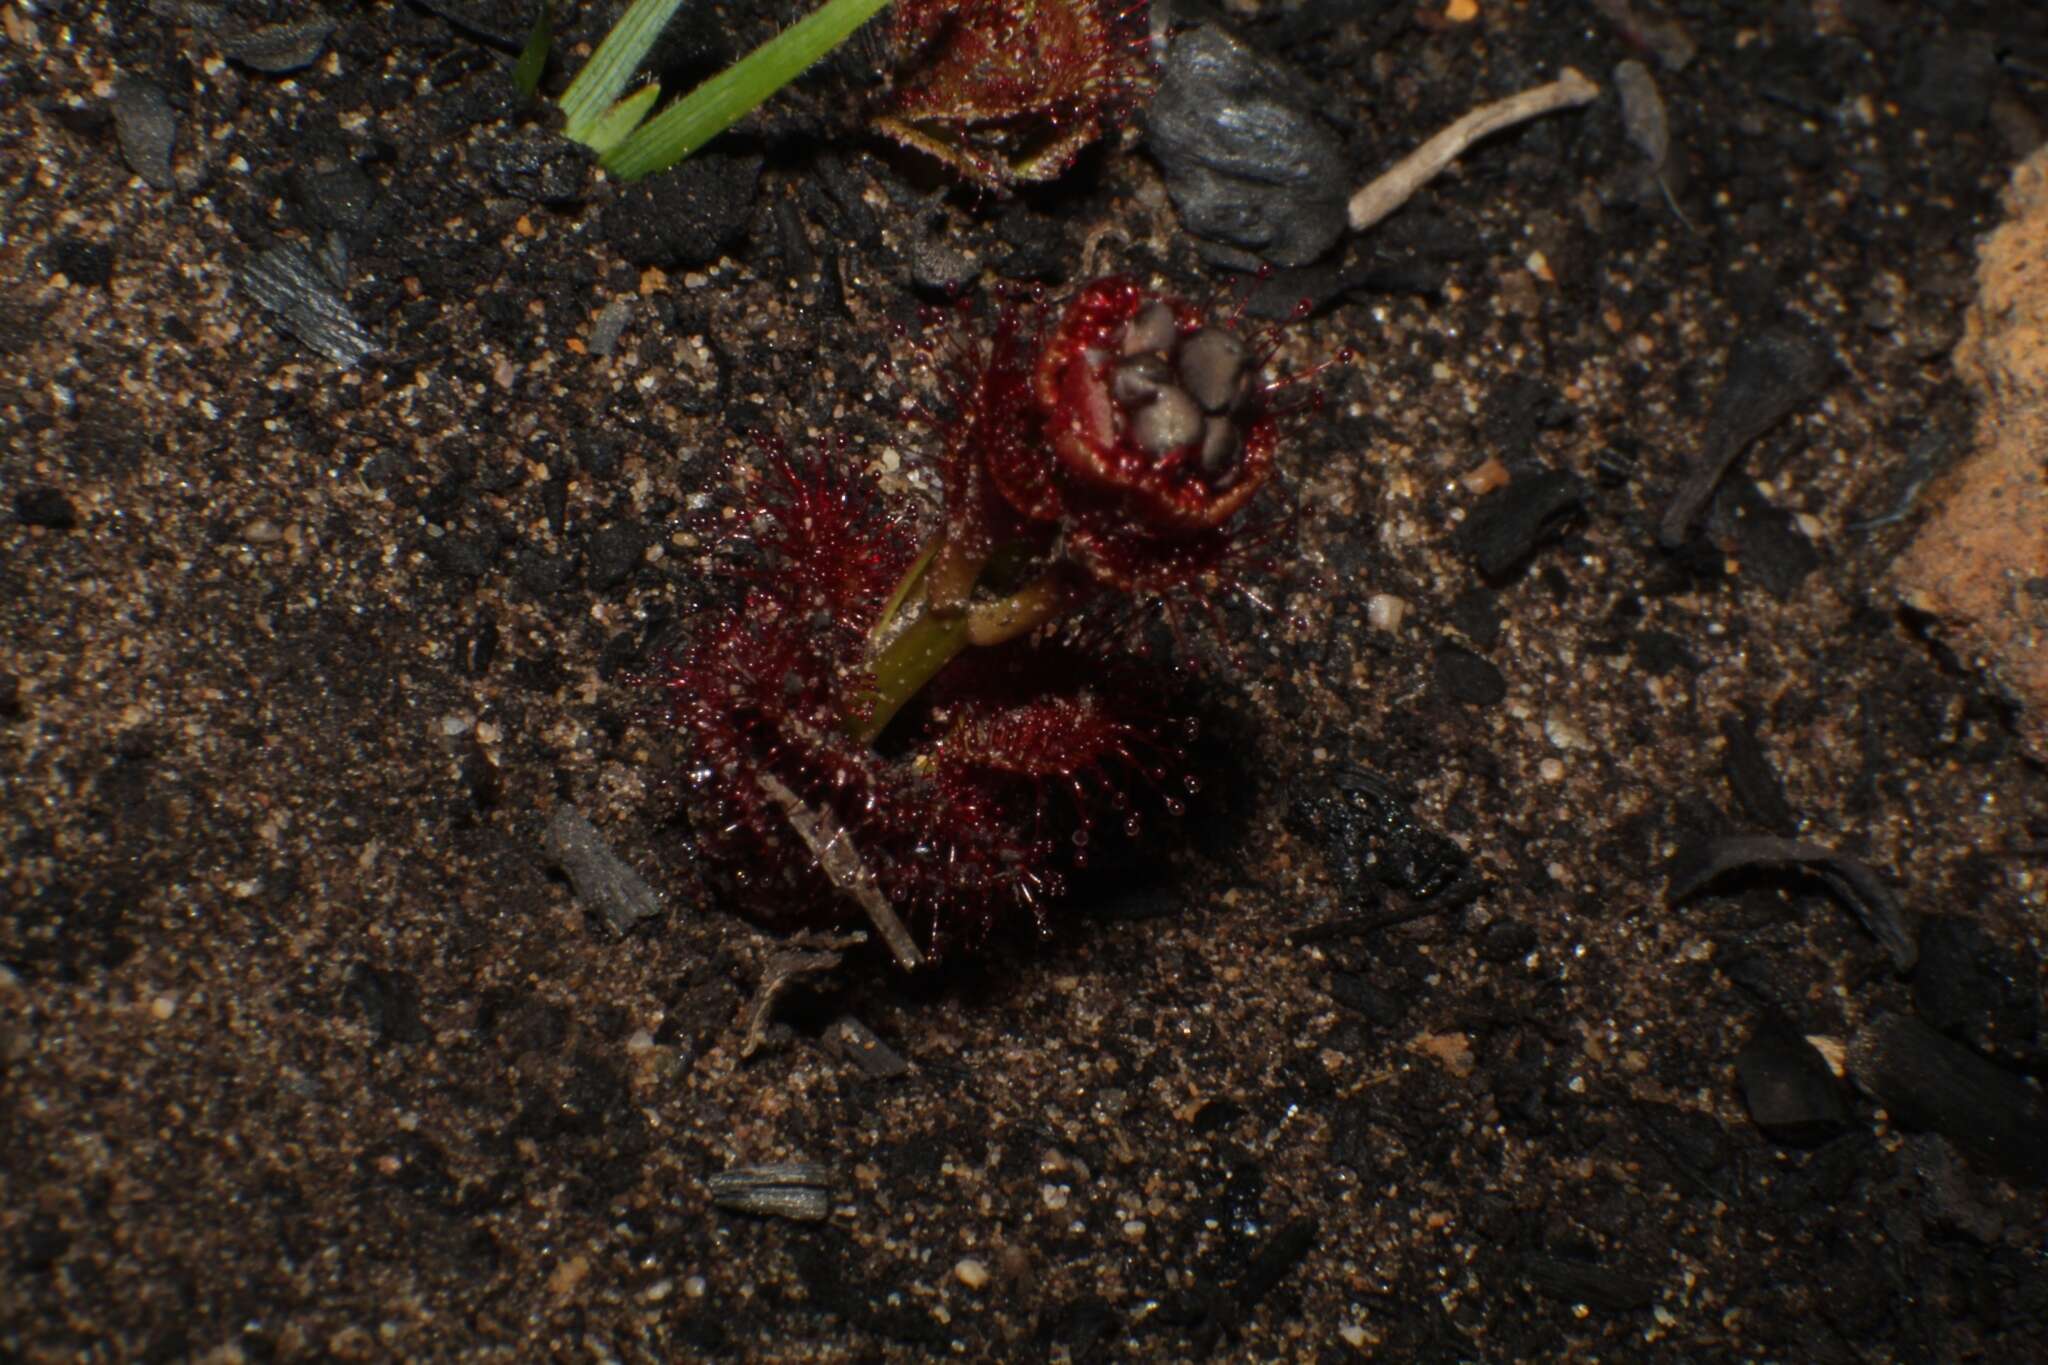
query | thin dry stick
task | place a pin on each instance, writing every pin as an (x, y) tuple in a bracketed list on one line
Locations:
[(1426, 162), (844, 867)]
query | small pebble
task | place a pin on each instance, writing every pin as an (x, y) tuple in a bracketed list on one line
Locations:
[(1384, 611), (1565, 733), (971, 1273), (610, 325)]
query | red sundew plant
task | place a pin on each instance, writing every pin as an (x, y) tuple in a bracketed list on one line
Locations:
[(1006, 91), (890, 721)]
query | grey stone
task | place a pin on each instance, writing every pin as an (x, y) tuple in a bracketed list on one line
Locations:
[(1252, 170), (279, 49), (147, 127)]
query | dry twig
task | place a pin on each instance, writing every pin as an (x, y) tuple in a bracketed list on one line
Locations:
[(845, 868), (801, 955), (1426, 162)]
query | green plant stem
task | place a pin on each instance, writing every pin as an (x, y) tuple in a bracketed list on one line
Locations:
[(533, 58), (912, 659), (610, 69), (916, 638), (723, 100), (617, 123)]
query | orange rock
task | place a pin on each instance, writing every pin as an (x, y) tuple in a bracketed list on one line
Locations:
[(1980, 566)]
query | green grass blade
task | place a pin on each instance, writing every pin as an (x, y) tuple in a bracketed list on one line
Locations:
[(597, 87), (622, 118), (723, 100), (533, 58)]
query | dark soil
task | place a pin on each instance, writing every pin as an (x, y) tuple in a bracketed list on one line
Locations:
[(308, 1052)]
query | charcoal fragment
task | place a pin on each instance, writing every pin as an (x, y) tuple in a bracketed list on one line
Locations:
[(1851, 880), (1951, 80), (1789, 1090), (1596, 1286), (1660, 653), (1467, 679), (1274, 1261), (1475, 614), (604, 881), (1973, 988), (1366, 830), (613, 553), (45, 507), (147, 128), (463, 556), (1946, 1199), (533, 164), (1507, 940), (1510, 522), (1693, 1143), (344, 199), (1354, 992), (1753, 779), (1255, 175), (544, 574), (90, 264), (479, 648), (389, 999), (1776, 554), (279, 49), (1770, 375), (285, 282), (1925, 1081)]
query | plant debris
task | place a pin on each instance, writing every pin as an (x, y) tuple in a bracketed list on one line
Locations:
[(1771, 374), (604, 882), (1398, 185), (286, 283), (1756, 784), (1852, 881), (800, 955), (797, 1190)]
